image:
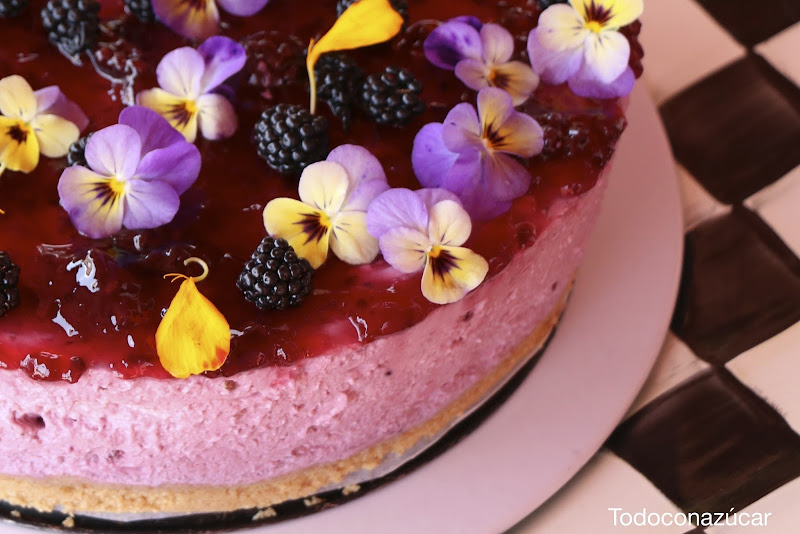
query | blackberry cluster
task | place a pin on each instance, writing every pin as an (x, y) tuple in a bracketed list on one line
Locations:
[(392, 96), (290, 138), (77, 152), (338, 81), (401, 6), (582, 135), (142, 9), (12, 8), (9, 277), (72, 25), (275, 277)]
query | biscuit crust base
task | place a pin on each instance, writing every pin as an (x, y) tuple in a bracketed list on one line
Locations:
[(76, 496)]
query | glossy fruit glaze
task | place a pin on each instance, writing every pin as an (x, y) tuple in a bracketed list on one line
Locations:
[(87, 303)]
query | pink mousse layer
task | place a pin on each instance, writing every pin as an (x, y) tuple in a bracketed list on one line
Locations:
[(271, 421)]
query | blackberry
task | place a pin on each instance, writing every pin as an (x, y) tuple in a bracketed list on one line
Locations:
[(77, 152), (72, 25), (275, 277), (12, 8), (9, 277), (142, 9), (401, 6), (392, 97), (338, 81), (631, 33), (581, 135), (290, 138)]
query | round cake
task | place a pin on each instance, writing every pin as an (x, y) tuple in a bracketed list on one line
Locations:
[(373, 213)]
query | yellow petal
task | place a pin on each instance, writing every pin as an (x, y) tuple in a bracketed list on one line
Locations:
[(306, 229), (17, 100), (55, 134), (350, 240), (452, 272), (608, 14), (19, 149), (364, 23), (181, 113), (193, 336), (561, 28), (449, 224), (323, 185)]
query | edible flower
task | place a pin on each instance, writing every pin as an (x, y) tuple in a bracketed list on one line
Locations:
[(35, 122), (193, 336), (332, 210), (364, 23), (580, 44), (200, 19), (474, 155), (187, 79), (425, 230), (482, 57), (137, 171)]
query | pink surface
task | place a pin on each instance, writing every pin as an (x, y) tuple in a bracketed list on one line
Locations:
[(272, 421)]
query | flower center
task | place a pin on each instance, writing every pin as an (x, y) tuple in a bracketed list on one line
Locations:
[(180, 114), (315, 225), (441, 261), (597, 16), (19, 132), (116, 186), (498, 79)]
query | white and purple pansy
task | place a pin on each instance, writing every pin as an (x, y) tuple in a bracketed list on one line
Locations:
[(188, 79), (423, 231), (332, 210), (200, 19), (481, 57), (137, 171), (579, 43), (475, 154)]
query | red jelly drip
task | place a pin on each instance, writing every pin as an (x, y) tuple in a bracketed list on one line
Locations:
[(101, 301)]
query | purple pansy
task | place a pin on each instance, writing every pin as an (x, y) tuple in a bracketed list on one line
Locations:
[(188, 79), (423, 231), (579, 43), (137, 171), (481, 57), (474, 154), (200, 20)]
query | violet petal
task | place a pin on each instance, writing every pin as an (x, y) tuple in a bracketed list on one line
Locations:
[(462, 129), (472, 20), (360, 164), (505, 177), (242, 8), (465, 174), (149, 204), (430, 157), (396, 208), (498, 44), (585, 85), (176, 165), (223, 57), (554, 67), (195, 20), (84, 195), (480, 205), (114, 151), (450, 43), (432, 196), (154, 130), (50, 100), (364, 193), (179, 72)]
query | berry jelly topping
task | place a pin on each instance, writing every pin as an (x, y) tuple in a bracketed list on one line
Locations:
[(87, 303)]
